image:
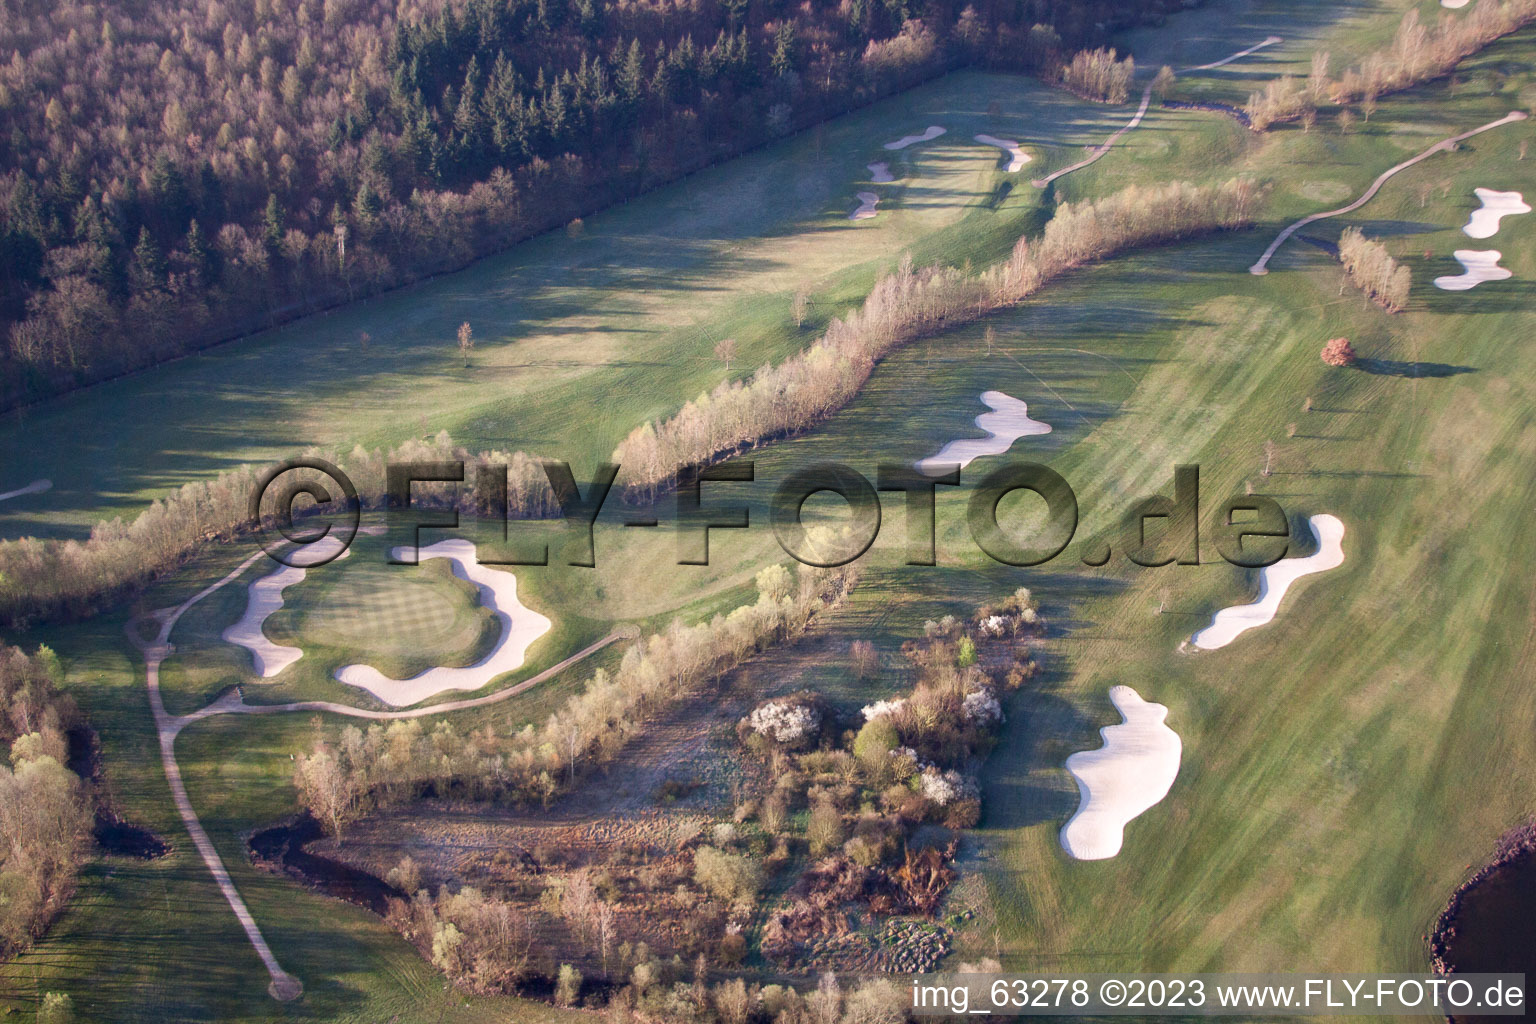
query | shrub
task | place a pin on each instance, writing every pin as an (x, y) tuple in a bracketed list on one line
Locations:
[(874, 743), (824, 830), (733, 950), (567, 986), (57, 1008), (732, 877), (1339, 352), (405, 876)]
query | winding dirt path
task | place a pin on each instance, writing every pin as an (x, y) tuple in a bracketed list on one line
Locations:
[(35, 487), (233, 702), (284, 986), (1094, 154), (1239, 55), (1262, 266), (1146, 101)]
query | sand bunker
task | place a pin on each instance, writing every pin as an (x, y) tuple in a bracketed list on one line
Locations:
[(1481, 265), (266, 597), (1454, 5), (1009, 421), (1019, 157), (866, 210), (880, 173), (1130, 773), (1443, 146), (520, 627), (1230, 623), (35, 487), (1496, 205), (933, 132)]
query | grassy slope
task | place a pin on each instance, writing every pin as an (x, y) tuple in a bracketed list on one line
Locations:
[(1319, 816), (579, 336)]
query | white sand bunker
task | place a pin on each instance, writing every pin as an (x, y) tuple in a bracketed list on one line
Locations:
[(1130, 773), (265, 597), (880, 173), (1009, 421), (933, 132), (1230, 623), (35, 487), (1454, 5), (1481, 265), (1019, 157), (1496, 205), (520, 627), (866, 210)]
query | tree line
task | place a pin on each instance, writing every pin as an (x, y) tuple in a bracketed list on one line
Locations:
[(182, 173), (1097, 75), (45, 813), (908, 304), (1369, 266), (42, 579), (391, 765), (1418, 53)]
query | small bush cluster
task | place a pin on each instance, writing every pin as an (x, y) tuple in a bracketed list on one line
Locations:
[(1373, 270), (1096, 74), (906, 761), (45, 813)]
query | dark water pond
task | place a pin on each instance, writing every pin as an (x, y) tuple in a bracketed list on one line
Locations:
[(1490, 926), (125, 839), (283, 845)]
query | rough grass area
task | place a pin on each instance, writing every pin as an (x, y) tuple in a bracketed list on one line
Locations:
[(1343, 766)]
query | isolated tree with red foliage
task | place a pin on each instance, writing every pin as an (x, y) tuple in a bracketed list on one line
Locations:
[(1339, 352)]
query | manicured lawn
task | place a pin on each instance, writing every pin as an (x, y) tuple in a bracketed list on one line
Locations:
[(1342, 765)]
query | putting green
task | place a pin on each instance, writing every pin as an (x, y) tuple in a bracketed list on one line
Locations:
[(416, 613), (1321, 813)]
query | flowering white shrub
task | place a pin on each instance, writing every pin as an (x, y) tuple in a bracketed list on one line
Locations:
[(944, 788), (883, 707), (982, 706), (994, 625), (785, 722)]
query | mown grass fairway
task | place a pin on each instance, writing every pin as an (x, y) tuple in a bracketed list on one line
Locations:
[(1343, 766)]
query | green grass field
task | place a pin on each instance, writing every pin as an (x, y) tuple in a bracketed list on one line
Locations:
[(1343, 766)]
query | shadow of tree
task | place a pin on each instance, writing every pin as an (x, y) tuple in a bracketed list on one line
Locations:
[(1400, 368)]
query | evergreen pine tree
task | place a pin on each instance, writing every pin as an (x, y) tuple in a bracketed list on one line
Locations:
[(148, 262)]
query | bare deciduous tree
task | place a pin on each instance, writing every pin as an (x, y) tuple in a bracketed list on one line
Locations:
[(466, 341), (725, 351), (1371, 269), (799, 305), (1096, 74), (865, 660)]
